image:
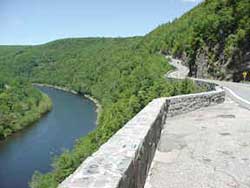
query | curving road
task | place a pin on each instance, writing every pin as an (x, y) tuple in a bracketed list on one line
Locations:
[(205, 148), (239, 92), (180, 71)]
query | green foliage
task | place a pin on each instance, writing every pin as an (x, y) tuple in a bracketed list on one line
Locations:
[(120, 73), (220, 27), (124, 74), (20, 105)]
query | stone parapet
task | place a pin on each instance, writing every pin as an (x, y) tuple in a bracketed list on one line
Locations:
[(186, 103), (124, 161)]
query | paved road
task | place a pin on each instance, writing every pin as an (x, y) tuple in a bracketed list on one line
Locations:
[(206, 148), (237, 91), (180, 72)]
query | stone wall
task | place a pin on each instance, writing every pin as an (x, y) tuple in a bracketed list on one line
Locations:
[(209, 86), (124, 161), (206, 85), (185, 103)]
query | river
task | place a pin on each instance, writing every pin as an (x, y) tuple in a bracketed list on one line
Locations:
[(34, 147)]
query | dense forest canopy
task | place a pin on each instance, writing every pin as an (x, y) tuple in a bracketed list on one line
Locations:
[(213, 38), (124, 74), (121, 74), (20, 105)]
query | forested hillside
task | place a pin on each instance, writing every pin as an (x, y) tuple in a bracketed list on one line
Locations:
[(20, 105), (213, 39), (123, 76)]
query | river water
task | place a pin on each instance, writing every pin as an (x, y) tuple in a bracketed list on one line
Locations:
[(34, 147)]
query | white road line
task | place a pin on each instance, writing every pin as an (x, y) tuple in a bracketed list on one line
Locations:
[(177, 74), (236, 96)]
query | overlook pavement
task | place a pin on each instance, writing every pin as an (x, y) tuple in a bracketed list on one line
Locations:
[(206, 148)]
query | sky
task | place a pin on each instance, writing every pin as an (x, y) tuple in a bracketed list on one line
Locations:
[(40, 21)]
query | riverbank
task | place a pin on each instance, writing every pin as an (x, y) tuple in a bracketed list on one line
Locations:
[(35, 147), (31, 116), (93, 99)]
